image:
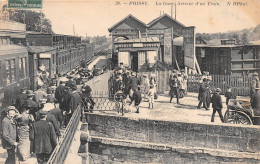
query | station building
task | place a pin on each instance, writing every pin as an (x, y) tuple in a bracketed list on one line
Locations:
[(138, 45)]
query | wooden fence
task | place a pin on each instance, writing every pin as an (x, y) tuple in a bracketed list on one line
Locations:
[(240, 84)]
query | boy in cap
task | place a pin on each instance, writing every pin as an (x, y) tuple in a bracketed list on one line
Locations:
[(217, 105), (9, 138)]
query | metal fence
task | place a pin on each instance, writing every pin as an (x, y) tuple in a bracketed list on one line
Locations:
[(61, 150), (240, 84)]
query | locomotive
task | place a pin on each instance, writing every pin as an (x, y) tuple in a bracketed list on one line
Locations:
[(19, 64)]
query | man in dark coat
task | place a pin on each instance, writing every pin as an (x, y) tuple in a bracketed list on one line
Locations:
[(60, 91), (43, 135), (88, 102), (203, 91), (255, 102), (137, 97), (32, 105), (20, 100), (217, 105), (175, 87), (66, 105), (76, 98), (9, 138), (56, 112), (230, 95)]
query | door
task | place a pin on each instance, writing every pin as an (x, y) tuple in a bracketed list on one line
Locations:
[(134, 61)]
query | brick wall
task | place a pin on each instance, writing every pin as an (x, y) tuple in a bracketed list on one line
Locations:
[(207, 136)]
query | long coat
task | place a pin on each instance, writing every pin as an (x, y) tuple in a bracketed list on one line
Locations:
[(216, 101), (202, 92), (9, 129), (44, 137), (60, 91)]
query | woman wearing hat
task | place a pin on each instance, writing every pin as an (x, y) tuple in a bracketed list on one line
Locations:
[(217, 105), (24, 122)]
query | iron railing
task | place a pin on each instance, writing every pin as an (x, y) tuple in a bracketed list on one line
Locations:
[(61, 150)]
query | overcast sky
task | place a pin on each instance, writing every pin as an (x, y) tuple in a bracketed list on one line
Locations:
[(95, 17)]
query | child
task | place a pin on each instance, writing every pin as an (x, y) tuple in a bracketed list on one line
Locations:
[(230, 95), (151, 96), (137, 98)]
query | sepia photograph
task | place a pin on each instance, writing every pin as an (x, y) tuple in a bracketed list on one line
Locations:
[(122, 82)]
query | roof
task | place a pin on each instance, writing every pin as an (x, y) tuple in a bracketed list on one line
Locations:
[(129, 16), (164, 15), (40, 49), (6, 49), (142, 40)]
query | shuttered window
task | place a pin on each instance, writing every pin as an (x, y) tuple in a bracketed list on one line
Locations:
[(141, 58)]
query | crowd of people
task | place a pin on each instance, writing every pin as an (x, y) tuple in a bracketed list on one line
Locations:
[(34, 123)]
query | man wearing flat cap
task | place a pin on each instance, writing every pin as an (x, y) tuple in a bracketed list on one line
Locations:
[(9, 138), (20, 100), (44, 138)]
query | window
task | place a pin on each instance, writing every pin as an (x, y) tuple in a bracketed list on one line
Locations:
[(10, 71), (22, 67)]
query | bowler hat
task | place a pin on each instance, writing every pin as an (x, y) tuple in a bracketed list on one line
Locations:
[(29, 93), (23, 89), (11, 108)]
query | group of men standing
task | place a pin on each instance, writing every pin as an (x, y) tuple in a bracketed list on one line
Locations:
[(33, 124)]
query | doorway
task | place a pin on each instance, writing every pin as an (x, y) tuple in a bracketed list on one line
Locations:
[(134, 60)]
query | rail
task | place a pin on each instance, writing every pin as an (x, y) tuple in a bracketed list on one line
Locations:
[(61, 150)]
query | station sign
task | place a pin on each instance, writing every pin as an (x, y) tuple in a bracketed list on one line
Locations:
[(168, 34), (25, 4), (138, 45), (44, 55)]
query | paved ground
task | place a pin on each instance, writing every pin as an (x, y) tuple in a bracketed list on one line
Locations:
[(186, 111)]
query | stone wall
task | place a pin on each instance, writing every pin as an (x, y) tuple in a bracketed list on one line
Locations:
[(234, 141)]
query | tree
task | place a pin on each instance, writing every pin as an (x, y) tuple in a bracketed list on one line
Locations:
[(35, 21), (244, 38), (236, 37)]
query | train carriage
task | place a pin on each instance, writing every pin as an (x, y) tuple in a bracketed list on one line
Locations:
[(41, 56), (14, 73)]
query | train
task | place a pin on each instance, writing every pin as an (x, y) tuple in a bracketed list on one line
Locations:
[(19, 63)]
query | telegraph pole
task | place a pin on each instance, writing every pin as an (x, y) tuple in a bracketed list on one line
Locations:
[(73, 30)]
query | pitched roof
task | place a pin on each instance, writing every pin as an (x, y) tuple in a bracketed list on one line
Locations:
[(129, 16), (164, 15)]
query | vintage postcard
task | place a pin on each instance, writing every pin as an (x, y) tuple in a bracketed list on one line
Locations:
[(122, 81)]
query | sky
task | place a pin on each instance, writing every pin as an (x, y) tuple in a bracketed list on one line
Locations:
[(95, 17)]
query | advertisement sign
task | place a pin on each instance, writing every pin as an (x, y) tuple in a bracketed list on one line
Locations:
[(189, 46), (168, 46), (25, 4)]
